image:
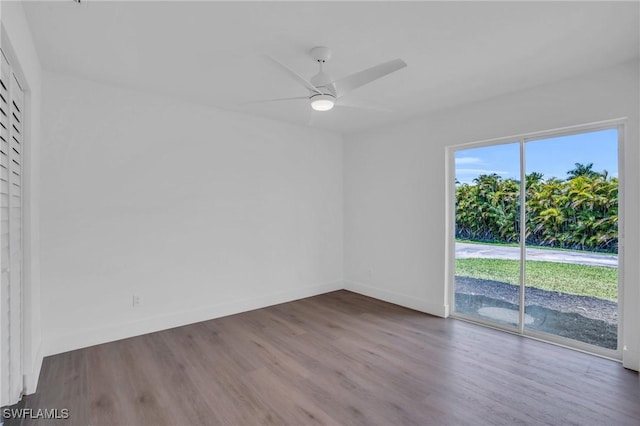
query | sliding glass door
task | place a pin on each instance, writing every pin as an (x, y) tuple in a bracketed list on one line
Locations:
[(549, 270)]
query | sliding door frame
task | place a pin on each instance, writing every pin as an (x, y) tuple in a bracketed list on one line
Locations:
[(522, 139)]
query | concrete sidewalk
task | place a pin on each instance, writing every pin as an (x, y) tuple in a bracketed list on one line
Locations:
[(468, 251)]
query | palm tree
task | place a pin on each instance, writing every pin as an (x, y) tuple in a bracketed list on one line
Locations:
[(582, 170), (533, 178)]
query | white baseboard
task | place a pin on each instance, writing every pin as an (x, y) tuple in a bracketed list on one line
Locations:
[(59, 344), (31, 377), (397, 298)]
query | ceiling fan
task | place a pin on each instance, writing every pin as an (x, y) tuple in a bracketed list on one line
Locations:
[(324, 91)]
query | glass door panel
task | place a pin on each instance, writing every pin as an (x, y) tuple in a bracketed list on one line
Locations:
[(487, 233), (571, 284)]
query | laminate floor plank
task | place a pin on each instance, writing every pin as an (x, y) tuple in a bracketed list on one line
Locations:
[(174, 387), (108, 387), (296, 408), (335, 359), (219, 380), (63, 384)]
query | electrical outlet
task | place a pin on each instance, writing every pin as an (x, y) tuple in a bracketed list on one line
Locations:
[(137, 300)]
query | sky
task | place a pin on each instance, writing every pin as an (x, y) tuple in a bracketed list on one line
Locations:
[(552, 157)]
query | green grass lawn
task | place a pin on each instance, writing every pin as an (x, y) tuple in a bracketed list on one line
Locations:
[(595, 281)]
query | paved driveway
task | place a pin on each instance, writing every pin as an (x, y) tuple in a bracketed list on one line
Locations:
[(466, 251)]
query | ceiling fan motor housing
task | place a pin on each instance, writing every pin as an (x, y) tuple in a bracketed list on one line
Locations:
[(322, 80)]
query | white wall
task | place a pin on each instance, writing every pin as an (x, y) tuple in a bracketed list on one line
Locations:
[(18, 46), (394, 187), (201, 212)]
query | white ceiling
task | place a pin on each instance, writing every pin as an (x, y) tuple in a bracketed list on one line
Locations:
[(213, 52)]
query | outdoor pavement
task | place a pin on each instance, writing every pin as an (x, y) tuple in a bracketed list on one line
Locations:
[(467, 251)]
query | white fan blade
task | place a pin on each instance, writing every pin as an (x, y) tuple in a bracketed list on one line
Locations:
[(350, 103), (275, 100), (300, 79), (353, 81)]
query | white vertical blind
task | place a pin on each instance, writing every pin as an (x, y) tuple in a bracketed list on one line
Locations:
[(11, 148)]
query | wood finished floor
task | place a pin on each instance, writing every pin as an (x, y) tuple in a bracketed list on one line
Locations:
[(338, 358)]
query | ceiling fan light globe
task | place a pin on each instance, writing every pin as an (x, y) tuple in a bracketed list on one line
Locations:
[(322, 102), (322, 105)]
